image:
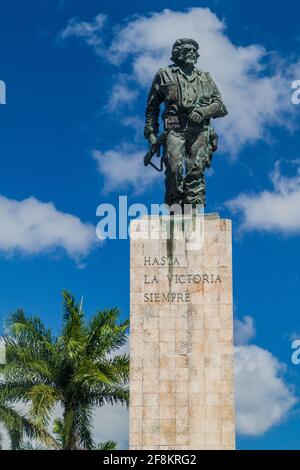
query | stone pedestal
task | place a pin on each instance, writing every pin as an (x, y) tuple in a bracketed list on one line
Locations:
[(181, 337)]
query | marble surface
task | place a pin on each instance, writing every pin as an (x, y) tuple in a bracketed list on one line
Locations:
[(181, 334)]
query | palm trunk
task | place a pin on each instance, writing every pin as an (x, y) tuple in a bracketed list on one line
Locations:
[(69, 438)]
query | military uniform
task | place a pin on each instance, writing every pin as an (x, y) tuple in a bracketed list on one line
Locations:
[(188, 147)]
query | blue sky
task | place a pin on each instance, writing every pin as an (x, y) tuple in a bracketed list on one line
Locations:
[(66, 127)]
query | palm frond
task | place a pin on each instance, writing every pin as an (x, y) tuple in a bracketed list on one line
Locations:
[(83, 419), (17, 426), (43, 399), (104, 332), (73, 337), (24, 328), (116, 368), (108, 445), (14, 392), (88, 374), (105, 394)]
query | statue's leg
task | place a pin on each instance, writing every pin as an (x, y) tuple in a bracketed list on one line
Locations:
[(194, 182), (174, 158)]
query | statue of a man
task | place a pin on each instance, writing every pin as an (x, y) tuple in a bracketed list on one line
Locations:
[(191, 99)]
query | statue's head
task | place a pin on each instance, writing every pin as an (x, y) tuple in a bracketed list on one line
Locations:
[(185, 51)]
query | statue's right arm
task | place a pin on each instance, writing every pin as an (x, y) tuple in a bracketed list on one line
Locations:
[(155, 98)]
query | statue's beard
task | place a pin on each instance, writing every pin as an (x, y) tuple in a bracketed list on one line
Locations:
[(187, 61), (184, 60)]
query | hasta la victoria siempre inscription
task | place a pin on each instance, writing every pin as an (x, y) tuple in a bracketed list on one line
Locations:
[(161, 261), (188, 278)]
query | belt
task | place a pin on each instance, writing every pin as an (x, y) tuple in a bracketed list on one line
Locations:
[(181, 121)]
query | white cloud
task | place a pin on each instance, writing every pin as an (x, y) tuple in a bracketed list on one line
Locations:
[(123, 167), (111, 424), (32, 227), (2, 351), (136, 123), (121, 95), (90, 32), (244, 330), (262, 397), (276, 210), (254, 83)]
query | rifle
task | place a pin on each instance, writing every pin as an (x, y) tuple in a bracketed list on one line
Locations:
[(149, 155)]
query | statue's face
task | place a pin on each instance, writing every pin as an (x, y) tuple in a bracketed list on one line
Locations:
[(188, 54)]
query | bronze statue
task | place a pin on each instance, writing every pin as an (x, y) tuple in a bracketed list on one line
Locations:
[(191, 99)]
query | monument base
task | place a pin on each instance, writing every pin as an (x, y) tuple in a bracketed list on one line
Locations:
[(181, 339)]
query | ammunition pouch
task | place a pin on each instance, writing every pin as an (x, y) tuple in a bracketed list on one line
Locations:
[(172, 122), (213, 139)]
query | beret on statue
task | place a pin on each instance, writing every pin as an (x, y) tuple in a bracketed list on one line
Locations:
[(178, 45), (182, 41)]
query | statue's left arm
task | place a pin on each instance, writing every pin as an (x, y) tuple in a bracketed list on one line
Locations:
[(217, 107)]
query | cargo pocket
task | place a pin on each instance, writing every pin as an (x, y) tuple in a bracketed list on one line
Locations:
[(171, 92)]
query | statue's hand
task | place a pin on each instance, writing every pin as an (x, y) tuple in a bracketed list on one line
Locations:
[(153, 144), (196, 116)]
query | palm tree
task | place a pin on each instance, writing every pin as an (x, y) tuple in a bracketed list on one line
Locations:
[(17, 426), (79, 369)]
